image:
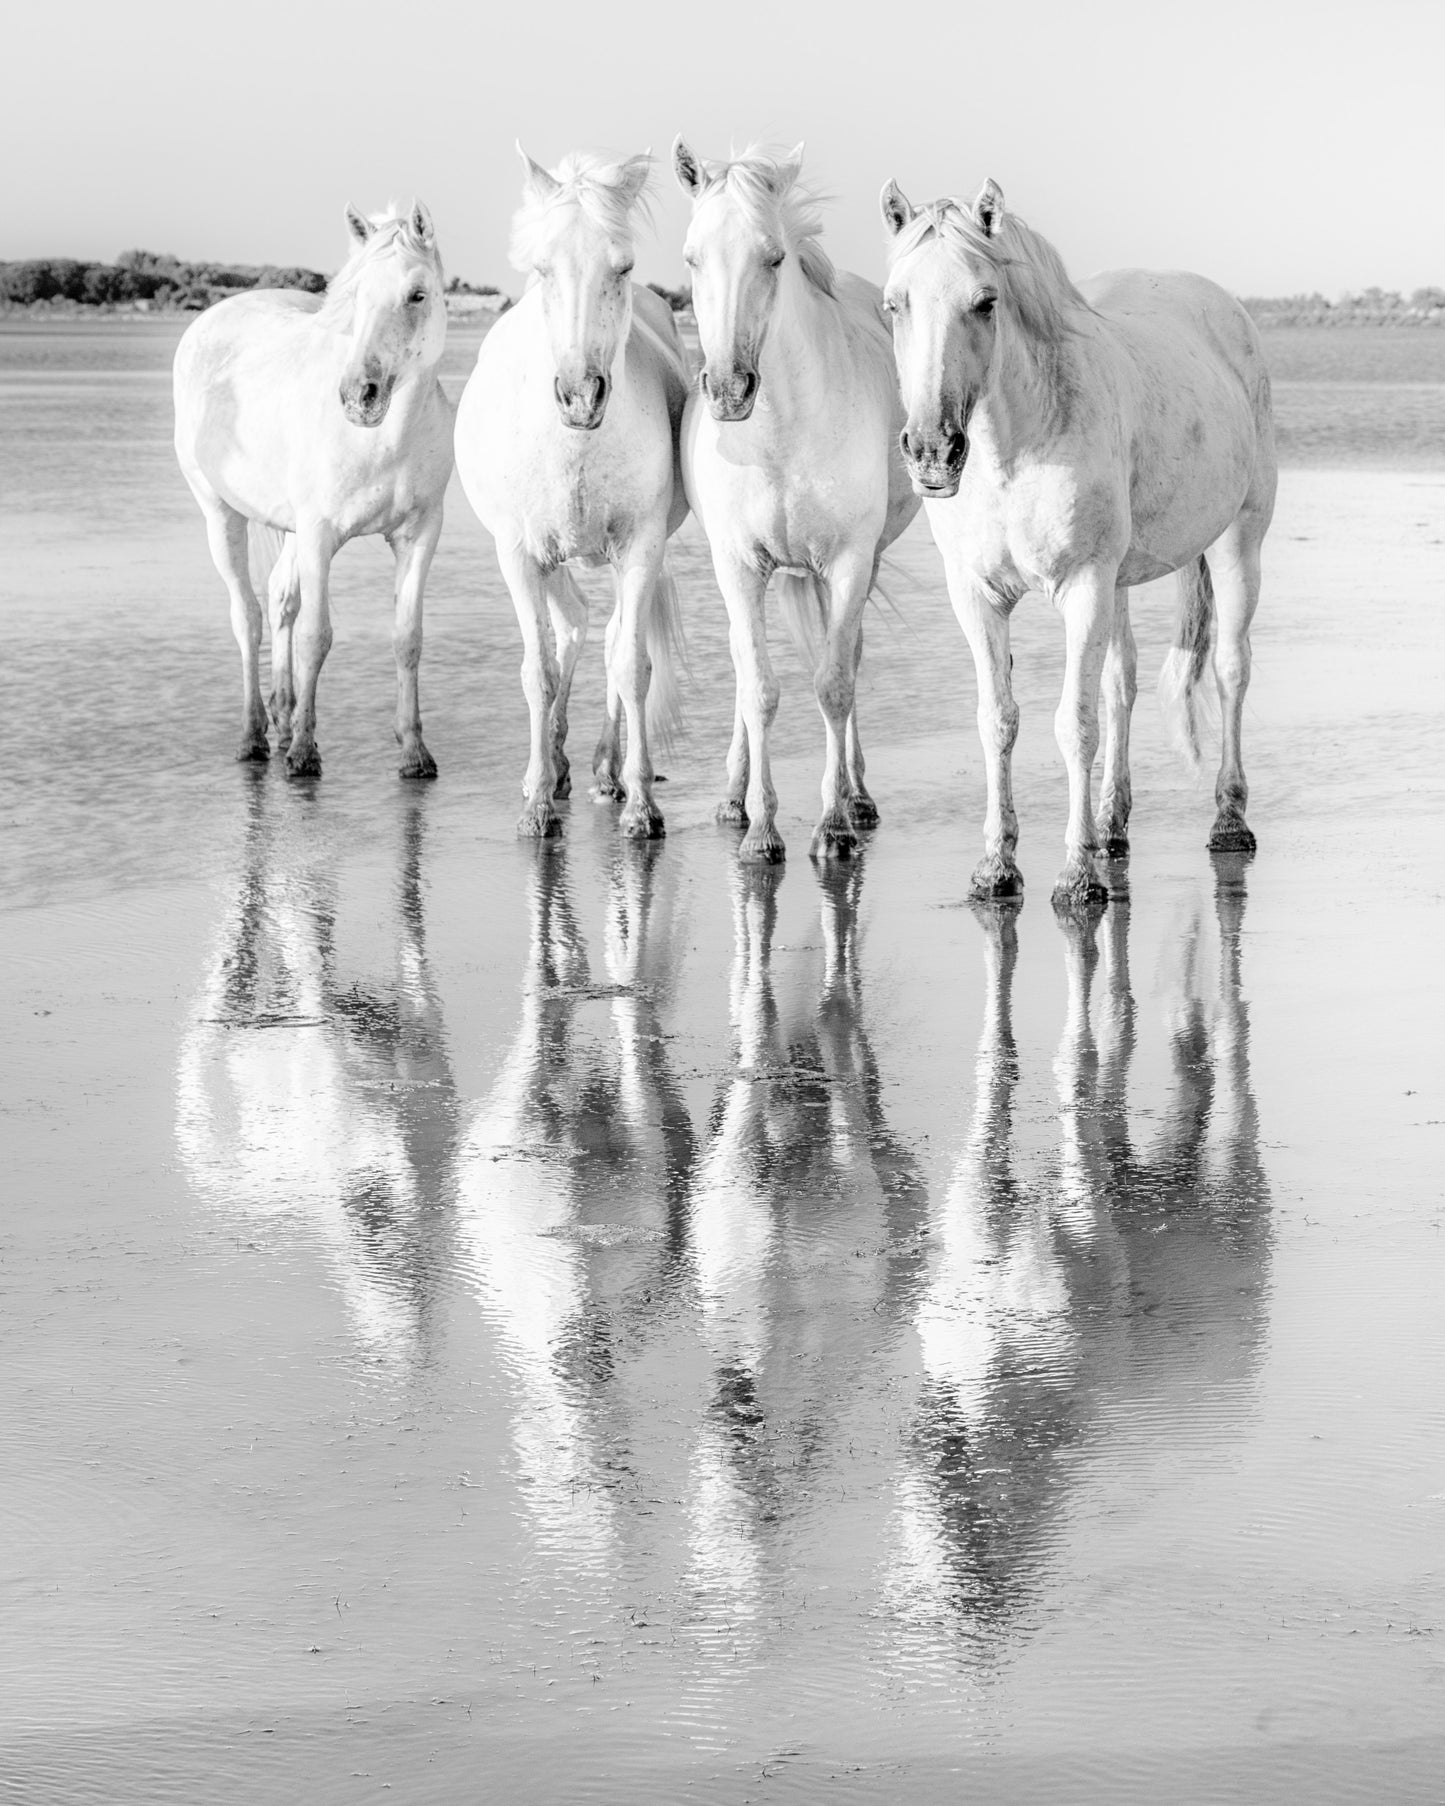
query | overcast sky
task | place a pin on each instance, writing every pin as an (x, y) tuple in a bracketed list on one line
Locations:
[(1274, 146)]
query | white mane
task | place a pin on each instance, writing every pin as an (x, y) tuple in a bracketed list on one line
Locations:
[(608, 193), (1032, 281), (393, 232), (773, 198)]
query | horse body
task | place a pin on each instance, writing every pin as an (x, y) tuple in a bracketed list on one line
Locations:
[(567, 449), (1077, 442), (790, 463), (322, 419)]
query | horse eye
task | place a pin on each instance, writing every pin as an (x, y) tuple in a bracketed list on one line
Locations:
[(986, 306), (627, 269), (890, 306), (773, 262), (416, 297)]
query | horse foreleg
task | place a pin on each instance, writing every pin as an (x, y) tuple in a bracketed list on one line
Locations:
[(1120, 686), (743, 587), (985, 623), (835, 836), (1233, 562), (631, 671), (541, 680), (1086, 601), (568, 609), (732, 811), (226, 532), (607, 786), (865, 810), (311, 641), (413, 546), (284, 598)]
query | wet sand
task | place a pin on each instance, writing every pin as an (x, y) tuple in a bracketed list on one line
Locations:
[(486, 1321)]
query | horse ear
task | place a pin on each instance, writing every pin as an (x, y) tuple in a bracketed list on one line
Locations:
[(686, 168), (538, 181), (791, 166), (421, 225), (635, 173), (897, 209), (988, 208), (358, 225)]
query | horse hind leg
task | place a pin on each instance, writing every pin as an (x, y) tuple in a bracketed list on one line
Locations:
[(1233, 562), (865, 810), (226, 531), (284, 599), (607, 785), (1120, 687)]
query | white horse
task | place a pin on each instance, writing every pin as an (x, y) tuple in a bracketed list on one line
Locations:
[(567, 449), (1076, 441), (791, 465), (322, 419)]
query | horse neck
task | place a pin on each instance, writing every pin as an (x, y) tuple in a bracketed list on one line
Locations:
[(1019, 409), (801, 353)]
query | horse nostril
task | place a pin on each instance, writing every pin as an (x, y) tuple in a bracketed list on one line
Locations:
[(750, 384), (957, 448), (905, 443), (369, 394)]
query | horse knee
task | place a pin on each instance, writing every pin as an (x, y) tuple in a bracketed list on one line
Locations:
[(998, 726)]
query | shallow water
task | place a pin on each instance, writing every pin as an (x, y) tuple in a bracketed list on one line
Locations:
[(587, 1323)]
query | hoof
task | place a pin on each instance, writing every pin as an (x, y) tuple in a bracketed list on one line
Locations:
[(864, 811), (1079, 890), (538, 821), (1230, 834), (417, 764), (833, 838), (253, 750), (762, 847), (995, 880), (303, 760), (732, 813), (643, 823), (607, 790)]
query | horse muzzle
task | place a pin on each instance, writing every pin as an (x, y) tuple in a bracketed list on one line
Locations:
[(583, 404), (733, 398), (934, 463), (366, 398)]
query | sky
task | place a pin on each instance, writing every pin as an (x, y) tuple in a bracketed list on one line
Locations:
[(1277, 147)]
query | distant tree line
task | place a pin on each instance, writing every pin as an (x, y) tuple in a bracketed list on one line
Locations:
[(150, 276), (1371, 307)]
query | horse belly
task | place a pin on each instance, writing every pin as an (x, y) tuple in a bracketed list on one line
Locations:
[(1187, 489)]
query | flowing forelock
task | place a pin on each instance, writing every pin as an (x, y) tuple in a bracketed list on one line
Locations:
[(394, 232), (772, 197), (1033, 284), (609, 194)]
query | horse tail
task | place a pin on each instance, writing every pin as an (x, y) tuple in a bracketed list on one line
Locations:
[(1185, 662), (266, 547), (804, 609), (667, 649)]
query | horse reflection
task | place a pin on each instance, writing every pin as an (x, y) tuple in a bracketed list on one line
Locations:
[(572, 1192), (805, 1218), (1125, 1273), (307, 1097)]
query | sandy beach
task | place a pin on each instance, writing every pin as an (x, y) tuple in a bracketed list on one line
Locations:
[(584, 1321)]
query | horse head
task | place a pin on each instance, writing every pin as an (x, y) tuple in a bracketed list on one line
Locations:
[(942, 293), (748, 218), (388, 299), (573, 236)]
